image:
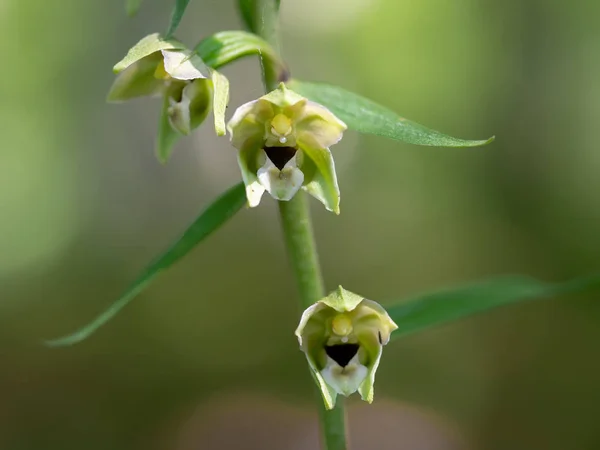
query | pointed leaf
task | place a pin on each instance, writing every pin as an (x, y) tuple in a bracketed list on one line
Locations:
[(177, 15), (148, 45), (132, 7), (220, 101), (213, 217), (227, 46), (437, 308), (366, 116)]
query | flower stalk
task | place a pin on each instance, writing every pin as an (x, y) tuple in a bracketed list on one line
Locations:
[(297, 230)]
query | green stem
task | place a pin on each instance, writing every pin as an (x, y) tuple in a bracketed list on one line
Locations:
[(265, 25), (300, 243), (333, 426), (298, 235), (297, 231)]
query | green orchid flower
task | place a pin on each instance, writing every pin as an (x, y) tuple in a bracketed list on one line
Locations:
[(157, 67), (342, 337), (283, 141)]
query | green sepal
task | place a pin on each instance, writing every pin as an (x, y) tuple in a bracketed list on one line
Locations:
[(320, 177), (220, 100), (248, 161), (150, 44), (137, 80), (374, 351)]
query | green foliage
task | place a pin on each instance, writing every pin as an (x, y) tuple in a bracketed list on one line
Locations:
[(252, 12), (444, 306), (132, 7), (366, 116), (227, 46), (177, 15), (211, 219)]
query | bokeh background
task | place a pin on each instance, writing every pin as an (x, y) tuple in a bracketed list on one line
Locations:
[(206, 358)]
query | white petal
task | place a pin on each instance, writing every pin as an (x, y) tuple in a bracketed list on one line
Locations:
[(184, 65), (281, 184), (344, 380), (179, 112), (254, 192)]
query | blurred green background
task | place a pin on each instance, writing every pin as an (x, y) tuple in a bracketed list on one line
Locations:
[(206, 358)]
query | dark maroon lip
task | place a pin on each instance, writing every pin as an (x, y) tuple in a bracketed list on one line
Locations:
[(342, 353), (280, 155)]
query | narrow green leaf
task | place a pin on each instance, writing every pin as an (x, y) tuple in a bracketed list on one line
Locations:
[(252, 11), (132, 7), (366, 116), (213, 217), (440, 307), (177, 15), (227, 46), (150, 44), (220, 101)]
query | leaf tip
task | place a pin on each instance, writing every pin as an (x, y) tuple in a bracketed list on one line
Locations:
[(65, 341)]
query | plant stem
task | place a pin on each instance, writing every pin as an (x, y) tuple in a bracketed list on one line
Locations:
[(333, 426), (265, 24), (300, 243), (298, 234)]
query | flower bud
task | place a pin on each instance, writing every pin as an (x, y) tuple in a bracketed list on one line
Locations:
[(283, 141), (342, 337)]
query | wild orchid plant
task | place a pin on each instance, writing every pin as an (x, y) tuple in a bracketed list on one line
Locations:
[(283, 142)]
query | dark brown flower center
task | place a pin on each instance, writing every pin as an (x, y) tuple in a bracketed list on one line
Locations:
[(280, 155), (341, 353)]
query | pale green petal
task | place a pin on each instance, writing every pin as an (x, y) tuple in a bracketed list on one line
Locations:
[(184, 65), (201, 95), (150, 44), (167, 135), (220, 100), (248, 122), (309, 312), (327, 392), (320, 177), (319, 128), (366, 388), (248, 162), (281, 184), (137, 80), (179, 111), (385, 324)]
